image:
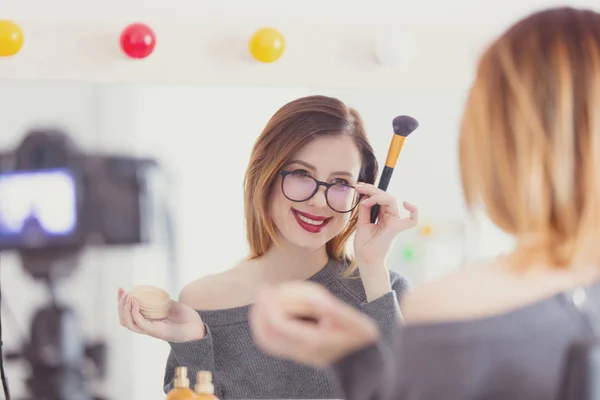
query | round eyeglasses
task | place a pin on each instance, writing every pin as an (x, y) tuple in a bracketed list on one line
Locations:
[(298, 186)]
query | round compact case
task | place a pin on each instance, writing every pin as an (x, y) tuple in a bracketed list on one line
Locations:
[(154, 302)]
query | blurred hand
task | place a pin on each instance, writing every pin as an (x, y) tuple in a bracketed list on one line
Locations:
[(303, 322), (372, 242), (183, 323)]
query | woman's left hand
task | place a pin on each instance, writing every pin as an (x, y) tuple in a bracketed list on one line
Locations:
[(372, 242)]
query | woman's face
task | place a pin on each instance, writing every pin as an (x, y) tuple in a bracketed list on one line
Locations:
[(311, 223)]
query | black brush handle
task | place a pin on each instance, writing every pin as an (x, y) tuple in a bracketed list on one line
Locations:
[(384, 181)]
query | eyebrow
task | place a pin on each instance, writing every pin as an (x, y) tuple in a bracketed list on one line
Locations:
[(312, 167)]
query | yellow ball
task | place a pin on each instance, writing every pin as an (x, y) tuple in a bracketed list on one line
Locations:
[(267, 45), (11, 38)]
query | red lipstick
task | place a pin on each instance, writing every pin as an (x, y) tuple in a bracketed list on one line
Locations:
[(309, 222)]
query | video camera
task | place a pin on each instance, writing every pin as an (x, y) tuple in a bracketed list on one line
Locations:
[(56, 200), (53, 196)]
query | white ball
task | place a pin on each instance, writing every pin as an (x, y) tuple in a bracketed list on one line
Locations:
[(395, 49)]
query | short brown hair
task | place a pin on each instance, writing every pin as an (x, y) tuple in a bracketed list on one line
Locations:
[(530, 136), (292, 127)]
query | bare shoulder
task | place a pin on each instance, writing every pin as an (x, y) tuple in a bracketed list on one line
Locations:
[(218, 291), (487, 290), (459, 295)]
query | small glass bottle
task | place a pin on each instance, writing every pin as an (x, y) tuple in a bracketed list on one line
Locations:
[(181, 386), (205, 390)]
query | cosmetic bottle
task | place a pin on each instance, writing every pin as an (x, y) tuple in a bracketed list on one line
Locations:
[(181, 386), (204, 388)]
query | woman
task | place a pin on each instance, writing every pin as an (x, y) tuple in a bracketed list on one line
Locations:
[(530, 153), (307, 172)]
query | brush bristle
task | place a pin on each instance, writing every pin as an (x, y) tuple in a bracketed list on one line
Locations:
[(404, 125)]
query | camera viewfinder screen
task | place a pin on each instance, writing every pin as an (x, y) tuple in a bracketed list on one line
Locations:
[(37, 204)]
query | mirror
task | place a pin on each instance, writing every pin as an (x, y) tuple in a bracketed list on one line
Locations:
[(203, 136)]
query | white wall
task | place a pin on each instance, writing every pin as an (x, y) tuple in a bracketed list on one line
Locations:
[(204, 42), (210, 53)]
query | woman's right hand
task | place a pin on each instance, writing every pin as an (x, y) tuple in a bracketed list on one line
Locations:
[(183, 323), (303, 322)]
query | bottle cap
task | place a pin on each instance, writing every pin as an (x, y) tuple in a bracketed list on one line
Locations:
[(204, 383), (181, 378)]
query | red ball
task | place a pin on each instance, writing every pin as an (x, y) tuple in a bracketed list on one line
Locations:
[(138, 40)]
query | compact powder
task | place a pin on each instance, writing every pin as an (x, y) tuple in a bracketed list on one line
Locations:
[(154, 302)]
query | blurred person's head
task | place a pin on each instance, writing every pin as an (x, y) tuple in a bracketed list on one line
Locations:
[(530, 137), (299, 186)]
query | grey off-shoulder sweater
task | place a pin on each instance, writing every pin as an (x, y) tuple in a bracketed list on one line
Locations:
[(241, 371), (517, 355)]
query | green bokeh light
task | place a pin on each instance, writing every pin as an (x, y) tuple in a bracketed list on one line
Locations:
[(408, 253)]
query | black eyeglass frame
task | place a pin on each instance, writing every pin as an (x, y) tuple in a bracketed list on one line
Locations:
[(327, 185)]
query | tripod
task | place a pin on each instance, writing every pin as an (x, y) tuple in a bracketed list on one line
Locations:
[(57, 354)]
